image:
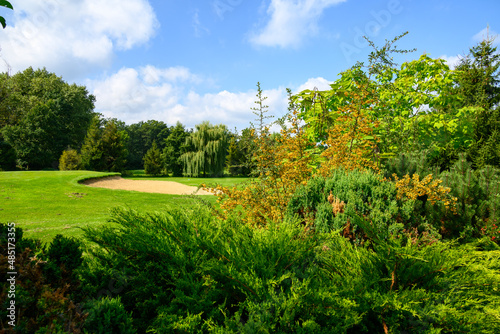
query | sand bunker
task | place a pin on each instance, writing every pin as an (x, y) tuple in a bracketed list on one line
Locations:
[(147, 186)]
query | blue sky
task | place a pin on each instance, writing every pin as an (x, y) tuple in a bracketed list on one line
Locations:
[(196, 60)]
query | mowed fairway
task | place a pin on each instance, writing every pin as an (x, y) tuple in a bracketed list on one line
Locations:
[(46, 203)]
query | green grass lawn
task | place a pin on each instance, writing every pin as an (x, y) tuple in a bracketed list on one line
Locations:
[(46, 203)]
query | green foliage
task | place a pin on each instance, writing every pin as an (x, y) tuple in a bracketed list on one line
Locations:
[(114, 143), (233, 158), (4, 3), (43, 115), (206, 150), (175, 146), (189, 271), (153, 163), (108, 316), (104, 148), (239, 153), (485, 149), (92, 153), (409, 164), (43, 300), (65, 251), (476, 191), (70, 160), (478, 75), (478, 198), (349, 201), (7, 156), (415, 105), (141, 137)]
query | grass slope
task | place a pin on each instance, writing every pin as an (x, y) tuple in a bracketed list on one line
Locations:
[(47, 203)]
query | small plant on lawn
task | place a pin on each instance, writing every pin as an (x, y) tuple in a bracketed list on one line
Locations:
[(70, 160)]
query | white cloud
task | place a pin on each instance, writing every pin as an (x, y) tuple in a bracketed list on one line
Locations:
[(486, 33), (291, 22), (72, 37), (199, 28), (451, 61), (170, 95), (319, 83)]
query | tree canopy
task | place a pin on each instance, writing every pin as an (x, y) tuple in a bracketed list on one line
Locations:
[(104, 148), (206, 150), (41, 115)]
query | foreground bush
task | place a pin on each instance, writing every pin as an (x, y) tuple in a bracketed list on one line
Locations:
[(45, 286), (191, 272), (477, 193)]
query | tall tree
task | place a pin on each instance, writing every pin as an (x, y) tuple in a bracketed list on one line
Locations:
[(207, 150), (104, 148), (175, 147), (41, 115), (92, 150), (478, 75), (152, 160), (141, 138), (261, 110), (478, 79), (114, 142)]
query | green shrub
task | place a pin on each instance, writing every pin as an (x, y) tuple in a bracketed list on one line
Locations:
[(477, 193), (349, 201), (188, 271), (65, 251), (43, 299), (478, 199), (8, 156), (70, 160), (108, 316)]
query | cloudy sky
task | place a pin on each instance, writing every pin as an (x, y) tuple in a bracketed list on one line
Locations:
[(196, 60)]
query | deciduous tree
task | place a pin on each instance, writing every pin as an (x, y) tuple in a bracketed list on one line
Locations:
[(42, 115), (175, 147), (207, 147)]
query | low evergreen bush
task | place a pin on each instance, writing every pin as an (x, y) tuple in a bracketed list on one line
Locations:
[(65, 251), (188, 271), (347, 201), (108, 316)]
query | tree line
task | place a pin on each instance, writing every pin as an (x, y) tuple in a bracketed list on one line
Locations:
[(46, 123), (419, 106)]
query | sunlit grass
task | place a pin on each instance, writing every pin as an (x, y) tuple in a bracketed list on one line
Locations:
[(47, 203)]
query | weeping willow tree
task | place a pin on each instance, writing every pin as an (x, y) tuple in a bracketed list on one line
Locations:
[(206, 154)]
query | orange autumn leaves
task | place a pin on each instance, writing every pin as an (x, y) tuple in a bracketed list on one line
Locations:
[(351, 142), (288, 161), (282, 164)]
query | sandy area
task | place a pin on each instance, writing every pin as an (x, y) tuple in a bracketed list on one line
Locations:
[(147, 186)]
